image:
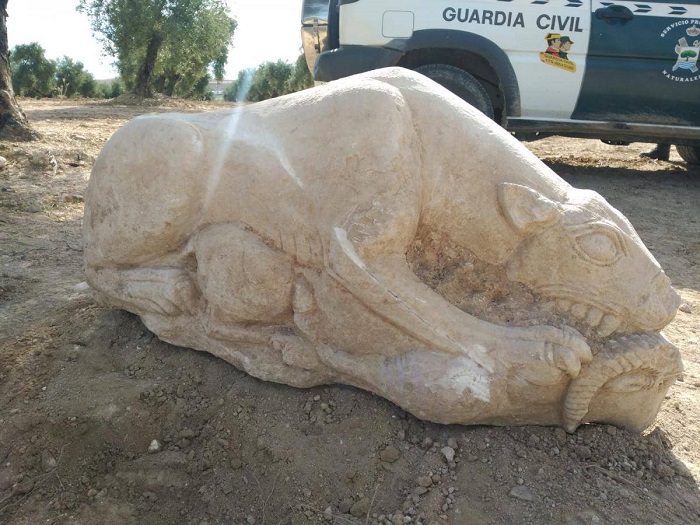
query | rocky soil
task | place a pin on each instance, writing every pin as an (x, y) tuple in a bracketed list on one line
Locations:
[(100, 422)]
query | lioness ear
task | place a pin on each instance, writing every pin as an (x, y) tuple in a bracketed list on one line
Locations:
[(526, 209)]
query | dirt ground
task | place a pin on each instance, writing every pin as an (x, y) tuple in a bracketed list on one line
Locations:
[(85, 390)]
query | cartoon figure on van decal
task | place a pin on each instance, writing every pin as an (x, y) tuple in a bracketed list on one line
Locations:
[(553, 43), (564, 47), (557, 52)]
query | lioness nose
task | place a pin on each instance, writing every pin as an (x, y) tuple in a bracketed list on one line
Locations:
[(663, 303)]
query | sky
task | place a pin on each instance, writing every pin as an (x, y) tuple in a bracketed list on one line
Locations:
[(267, 30)]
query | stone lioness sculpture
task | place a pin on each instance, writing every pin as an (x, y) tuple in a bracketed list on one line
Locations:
[(287, 237)]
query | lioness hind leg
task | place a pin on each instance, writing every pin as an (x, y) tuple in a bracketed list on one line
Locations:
[(242, 279)]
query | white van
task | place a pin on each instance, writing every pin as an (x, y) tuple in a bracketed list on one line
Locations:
[(618, 71)]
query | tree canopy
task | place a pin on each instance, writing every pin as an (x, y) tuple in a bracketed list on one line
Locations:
[(163, 45), (73, 79), (32, 73)]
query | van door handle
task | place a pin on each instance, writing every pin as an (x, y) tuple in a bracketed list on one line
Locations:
[(614, 13)]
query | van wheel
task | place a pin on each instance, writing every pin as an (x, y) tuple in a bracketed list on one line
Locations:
[(690, 154), (461, 83)]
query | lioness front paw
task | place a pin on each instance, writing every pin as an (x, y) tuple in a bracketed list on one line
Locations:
[(566, 349), (562, 348)]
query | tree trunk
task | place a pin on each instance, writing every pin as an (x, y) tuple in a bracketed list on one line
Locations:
[(171, 80), (13, 122), (144, 87)]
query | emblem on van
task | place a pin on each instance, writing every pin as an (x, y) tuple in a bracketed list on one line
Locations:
[(687, 55), (557, 52), (686, 66)]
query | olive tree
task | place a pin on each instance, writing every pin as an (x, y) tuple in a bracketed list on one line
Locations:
[(33, 75), (73, 79), (301, 76), (162, 43), (13, 122), (269, 80)]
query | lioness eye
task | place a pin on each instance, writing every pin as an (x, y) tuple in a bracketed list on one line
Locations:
[(599, 244), (599, 247)]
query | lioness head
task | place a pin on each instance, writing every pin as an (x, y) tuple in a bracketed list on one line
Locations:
[(587, 256)]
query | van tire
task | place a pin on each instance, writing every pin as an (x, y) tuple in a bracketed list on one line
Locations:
[(461, 83), (690, 154)]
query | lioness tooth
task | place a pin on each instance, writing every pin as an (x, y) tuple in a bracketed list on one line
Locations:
[(608, 325), (594, 316), (579, 310), (564, 305)]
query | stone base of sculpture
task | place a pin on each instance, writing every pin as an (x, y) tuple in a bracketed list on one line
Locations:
[(380, 232)]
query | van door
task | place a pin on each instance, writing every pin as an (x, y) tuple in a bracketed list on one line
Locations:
[(642, 64)]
